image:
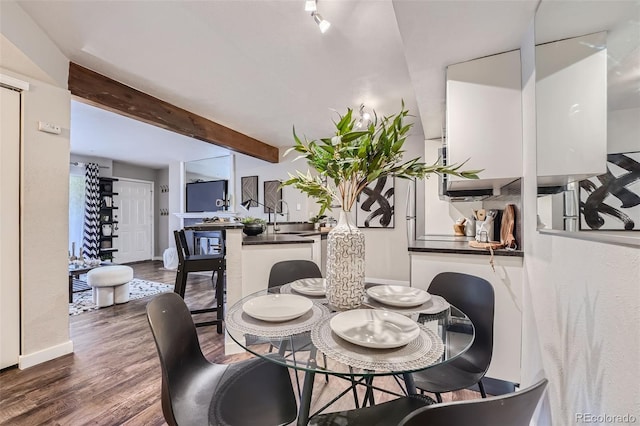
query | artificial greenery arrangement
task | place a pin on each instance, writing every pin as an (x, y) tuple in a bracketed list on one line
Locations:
[(317, 218), (347, 162), (247, 220), (253, 225)]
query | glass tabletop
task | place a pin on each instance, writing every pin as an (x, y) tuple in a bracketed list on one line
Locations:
[(301, 331)]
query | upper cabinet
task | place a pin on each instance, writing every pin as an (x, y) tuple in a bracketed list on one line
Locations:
[(484, 119), (571, 108)]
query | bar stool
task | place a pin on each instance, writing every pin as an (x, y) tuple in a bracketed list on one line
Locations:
[(201, 263)]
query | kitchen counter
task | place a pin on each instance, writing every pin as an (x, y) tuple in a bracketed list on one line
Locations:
[(282, 238), (455, 245), (214, 226)]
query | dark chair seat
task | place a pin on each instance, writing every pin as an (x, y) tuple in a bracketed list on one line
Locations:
[(196, 392), (475, 297), (513, 409), (386, 414), (187, 263)]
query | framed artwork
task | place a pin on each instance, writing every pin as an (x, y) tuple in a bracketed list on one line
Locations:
[(272, 194), (375, 204), (249, 190), (611, 201)]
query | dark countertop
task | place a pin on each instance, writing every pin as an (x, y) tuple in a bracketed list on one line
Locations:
[(456, 247), (283, 238), (214, 226), (266, 238)]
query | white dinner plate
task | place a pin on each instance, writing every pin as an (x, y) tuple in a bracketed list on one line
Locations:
[(374, 328), (277, 307), (310, 286), (398, 295)]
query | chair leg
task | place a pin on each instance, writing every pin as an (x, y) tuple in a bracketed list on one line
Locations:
[(219, 299), (438, 397), (181, 282), (481, 386), (326, 375)]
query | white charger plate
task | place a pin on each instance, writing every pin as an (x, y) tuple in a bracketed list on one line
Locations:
[(310, 286), (398, 295), (373, 328), (277, 307)]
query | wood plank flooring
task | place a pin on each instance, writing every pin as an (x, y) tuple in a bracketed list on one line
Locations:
[(113, 376)]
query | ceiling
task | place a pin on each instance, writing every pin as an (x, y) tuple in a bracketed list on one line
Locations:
[(261, 67)]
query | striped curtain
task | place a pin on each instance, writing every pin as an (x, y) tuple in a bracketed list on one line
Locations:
[(91, 237)]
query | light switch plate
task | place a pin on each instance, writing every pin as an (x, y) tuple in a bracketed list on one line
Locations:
[(49, 128)]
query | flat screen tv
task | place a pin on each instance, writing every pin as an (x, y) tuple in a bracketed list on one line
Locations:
[(207, 196)]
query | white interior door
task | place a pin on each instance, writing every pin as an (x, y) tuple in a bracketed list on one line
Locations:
[(135, 221), (9, 227)]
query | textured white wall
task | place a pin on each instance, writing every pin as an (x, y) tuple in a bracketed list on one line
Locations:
[(44, 187), (581, 306)]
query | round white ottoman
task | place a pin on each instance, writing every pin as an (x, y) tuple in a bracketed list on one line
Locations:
[(110, 284)]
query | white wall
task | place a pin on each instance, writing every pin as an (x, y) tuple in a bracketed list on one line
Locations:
[(623, 130), (44, 186), (581, 305), (249, 166)]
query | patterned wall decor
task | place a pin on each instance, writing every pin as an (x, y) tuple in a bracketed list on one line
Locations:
[(375, 206), (272, 194), (611, 201), (249, 186), (91, 235)]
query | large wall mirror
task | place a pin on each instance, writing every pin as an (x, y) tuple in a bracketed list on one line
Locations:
[(588, 116), (209, 184)]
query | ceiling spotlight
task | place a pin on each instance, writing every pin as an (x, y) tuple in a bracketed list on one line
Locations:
[(322, 23), (310, 6)]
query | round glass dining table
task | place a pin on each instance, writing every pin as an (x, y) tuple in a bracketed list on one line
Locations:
[(378, 339)]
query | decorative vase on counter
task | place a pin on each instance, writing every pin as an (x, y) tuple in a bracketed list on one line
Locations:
[(345, 264)]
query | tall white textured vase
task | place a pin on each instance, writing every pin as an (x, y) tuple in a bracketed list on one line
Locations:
[(345, 264)]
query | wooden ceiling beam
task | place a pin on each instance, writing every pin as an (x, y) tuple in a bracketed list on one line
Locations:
[(106, 93)]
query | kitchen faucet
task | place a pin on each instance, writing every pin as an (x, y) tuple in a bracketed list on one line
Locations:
[(275, 214)]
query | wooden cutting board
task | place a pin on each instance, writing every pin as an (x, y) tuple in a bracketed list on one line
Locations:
[(507, 228), (493, 244)]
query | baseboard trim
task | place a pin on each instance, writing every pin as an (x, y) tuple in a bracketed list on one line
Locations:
[(44, 355), (373, 280), (156, 258)]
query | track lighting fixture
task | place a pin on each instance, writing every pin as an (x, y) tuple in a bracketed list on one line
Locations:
[(322, 23), (310, 5)]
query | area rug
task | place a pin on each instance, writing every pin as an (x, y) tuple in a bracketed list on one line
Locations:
[(82, 301)]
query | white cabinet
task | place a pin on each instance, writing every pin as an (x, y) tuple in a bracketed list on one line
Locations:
[(507, 286), (571, 108), (484, 119)]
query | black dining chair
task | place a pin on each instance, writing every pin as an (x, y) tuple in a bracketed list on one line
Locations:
[(283, 273), (197, 392), (290, 270), (512, 409), (475, 297), (201, 263)]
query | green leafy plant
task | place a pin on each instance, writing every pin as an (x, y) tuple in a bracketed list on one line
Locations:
[(317, 218), (250, 220), (347, 162)]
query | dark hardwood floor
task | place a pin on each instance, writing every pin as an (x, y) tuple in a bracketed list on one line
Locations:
[(113, 376)]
